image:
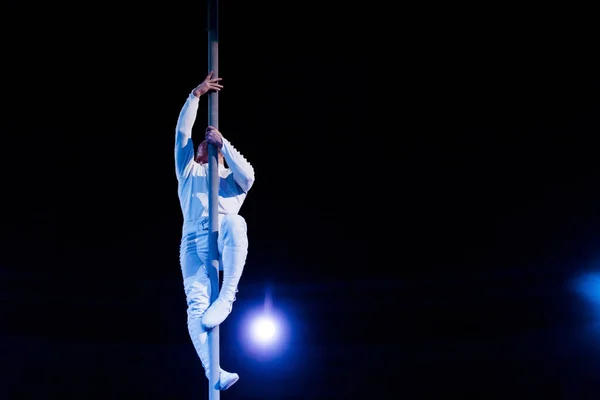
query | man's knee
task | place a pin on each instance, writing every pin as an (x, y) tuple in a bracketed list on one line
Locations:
[(234, 230)]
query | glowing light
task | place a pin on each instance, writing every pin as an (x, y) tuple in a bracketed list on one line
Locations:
[(264, 329)]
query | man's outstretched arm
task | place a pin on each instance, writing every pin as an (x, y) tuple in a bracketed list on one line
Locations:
[(184, 147)]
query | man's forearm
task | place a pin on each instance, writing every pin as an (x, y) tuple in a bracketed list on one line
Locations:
[(243, 172)]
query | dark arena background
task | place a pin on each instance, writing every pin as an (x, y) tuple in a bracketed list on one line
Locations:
[(425, 221)]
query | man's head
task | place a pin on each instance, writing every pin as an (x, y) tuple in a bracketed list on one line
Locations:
[(202, 154)]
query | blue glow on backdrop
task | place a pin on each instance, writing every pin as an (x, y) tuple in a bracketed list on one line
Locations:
[(587, 285)]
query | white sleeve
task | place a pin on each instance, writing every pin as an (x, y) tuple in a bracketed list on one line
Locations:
[(243, 172), (184, 147)]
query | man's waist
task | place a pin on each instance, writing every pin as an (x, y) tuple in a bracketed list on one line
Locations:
[(201, 222)]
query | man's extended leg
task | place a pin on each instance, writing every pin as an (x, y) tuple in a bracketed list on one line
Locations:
[(197, 291), (233, 247)]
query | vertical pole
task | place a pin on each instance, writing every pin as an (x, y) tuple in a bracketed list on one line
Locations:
[(213, 197)]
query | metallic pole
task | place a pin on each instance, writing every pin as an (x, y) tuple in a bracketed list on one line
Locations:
[(213, 196)]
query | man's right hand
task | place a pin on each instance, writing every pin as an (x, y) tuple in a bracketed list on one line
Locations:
[(207, 85)]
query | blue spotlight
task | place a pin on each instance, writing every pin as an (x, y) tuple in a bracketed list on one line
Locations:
[(264, 330)]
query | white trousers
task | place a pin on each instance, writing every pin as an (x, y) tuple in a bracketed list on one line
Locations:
[(193, 257)]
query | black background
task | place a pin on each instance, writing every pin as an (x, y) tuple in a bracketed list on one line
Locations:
[(426, 193)]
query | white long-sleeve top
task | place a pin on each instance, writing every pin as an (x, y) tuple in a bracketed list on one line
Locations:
[(235, 180)]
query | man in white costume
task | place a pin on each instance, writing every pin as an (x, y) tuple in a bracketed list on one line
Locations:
[(235, 180)]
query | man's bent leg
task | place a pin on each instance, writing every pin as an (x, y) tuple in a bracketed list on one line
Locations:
[(233, 246), (197, 291)]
